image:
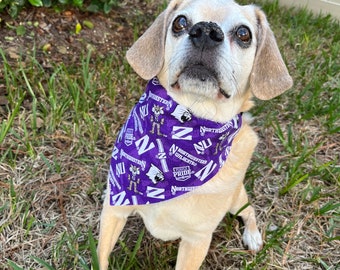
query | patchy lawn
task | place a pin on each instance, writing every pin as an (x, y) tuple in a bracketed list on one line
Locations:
[(63, 98)]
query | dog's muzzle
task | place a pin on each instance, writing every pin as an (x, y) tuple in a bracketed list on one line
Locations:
[(200, 66), (206, 35)]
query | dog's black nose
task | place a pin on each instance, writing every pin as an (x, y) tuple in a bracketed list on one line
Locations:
[(206, 35)]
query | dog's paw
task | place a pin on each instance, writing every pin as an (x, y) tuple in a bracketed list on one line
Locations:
[(253, 240)]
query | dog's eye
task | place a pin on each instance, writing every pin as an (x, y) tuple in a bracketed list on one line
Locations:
[(243, 36), (179, 24)]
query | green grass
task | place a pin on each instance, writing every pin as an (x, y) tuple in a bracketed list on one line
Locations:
[(57, 131)]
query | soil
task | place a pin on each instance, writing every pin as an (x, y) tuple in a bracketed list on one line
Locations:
[(62, 37)]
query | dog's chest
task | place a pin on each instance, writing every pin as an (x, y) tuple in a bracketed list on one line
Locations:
[(163, 151)]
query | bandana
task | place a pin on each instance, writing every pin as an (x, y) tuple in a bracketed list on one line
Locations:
[(163, 151)]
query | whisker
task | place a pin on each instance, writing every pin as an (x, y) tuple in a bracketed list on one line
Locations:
[(228, 65)]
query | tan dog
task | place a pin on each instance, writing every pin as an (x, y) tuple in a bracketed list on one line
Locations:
[(211, 58)]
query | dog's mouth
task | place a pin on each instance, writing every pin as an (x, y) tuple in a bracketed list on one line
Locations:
[(195, 77)]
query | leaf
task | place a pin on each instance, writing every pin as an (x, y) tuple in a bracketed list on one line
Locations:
[(43, 263), (36, 3), (78, 3), (13, 54), (47, 47), (328, 207), (78, 28), (107, 8), (95, 263), (294, 181), (13, 11), (21, 30), (14, 265), (6, 125), (62, 49), (93, 8), (47, 3), (88, 24), (9, 38)]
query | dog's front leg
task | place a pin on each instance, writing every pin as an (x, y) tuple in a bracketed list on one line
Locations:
[(191, 254), (251, 236), (111, 225)]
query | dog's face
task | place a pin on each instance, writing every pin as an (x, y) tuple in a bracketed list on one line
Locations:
[(210, 53), (212, 56)]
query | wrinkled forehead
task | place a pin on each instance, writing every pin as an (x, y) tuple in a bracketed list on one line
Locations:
[(222, 12)]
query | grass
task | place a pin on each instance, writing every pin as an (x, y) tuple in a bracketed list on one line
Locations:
[(56, 135)]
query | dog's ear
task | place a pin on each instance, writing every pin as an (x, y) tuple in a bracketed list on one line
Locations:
[(146, 56), (269, 77)]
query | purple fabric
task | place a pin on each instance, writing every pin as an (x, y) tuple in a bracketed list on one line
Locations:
[(163, 151)]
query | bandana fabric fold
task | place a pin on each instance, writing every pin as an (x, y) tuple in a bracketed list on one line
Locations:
[(163, 151)]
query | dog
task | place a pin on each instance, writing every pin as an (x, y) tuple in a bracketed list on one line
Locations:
[(180, 159)]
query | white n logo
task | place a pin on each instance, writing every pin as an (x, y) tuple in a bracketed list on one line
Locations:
[(182, 133), (143, 145), (204, 172), (173, 149), (115, 153), (118, 199), (157, 193)]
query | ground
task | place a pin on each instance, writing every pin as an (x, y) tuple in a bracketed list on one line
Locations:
[(53, 159), (53, 36)]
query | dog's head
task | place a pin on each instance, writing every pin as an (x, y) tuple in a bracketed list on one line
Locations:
[(210, 56)]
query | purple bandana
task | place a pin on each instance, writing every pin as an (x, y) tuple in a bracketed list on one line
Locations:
[(163, 151)]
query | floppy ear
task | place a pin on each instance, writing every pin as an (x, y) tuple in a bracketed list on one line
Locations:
[(146, 56), (269, 77)]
